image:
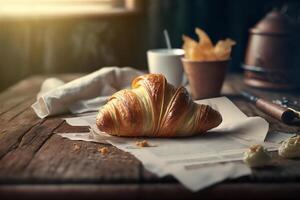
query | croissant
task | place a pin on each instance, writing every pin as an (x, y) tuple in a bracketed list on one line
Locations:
[(154, 108)]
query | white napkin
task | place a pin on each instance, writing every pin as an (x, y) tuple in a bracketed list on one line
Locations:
[(83, 94)]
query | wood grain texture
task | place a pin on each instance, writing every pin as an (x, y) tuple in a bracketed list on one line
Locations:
[(31, 152), (59, 160), (146, 191)]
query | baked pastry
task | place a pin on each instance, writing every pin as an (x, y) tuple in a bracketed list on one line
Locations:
[(155, 108), (290, 148), (257, 156)]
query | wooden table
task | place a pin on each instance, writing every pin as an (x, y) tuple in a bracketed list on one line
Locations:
[(35, 161)]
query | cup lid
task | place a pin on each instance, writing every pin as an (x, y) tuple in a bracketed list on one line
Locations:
[(167, 52)]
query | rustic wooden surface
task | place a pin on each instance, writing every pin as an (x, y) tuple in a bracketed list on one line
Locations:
[(35, 161)]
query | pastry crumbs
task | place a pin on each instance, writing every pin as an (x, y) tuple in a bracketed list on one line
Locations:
[(103, 150), (76, 147), (142, 143)]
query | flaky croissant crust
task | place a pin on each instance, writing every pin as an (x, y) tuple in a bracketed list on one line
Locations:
[(154, 108)]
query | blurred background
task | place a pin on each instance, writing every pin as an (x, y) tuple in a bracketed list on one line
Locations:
[(63, 36)]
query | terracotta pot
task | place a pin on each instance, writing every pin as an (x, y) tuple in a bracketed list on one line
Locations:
[(205, 77)]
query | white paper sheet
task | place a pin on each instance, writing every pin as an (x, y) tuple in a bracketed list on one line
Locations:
[(194, 160), (86, 136), (196, 178)]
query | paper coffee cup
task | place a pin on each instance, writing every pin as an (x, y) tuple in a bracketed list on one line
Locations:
[(167, 62)]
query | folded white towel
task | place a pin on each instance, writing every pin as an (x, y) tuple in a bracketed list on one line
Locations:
[(83, 94)]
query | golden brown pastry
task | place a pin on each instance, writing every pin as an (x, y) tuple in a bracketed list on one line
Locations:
[(154, 108)]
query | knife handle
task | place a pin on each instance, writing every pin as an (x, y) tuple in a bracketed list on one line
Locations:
[(283, 114)]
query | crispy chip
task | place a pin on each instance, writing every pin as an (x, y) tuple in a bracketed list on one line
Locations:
[(204, 40), (204, 50), (223, 49), (188, 46)]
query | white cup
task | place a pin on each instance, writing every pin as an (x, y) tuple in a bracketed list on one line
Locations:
[(167, 62)]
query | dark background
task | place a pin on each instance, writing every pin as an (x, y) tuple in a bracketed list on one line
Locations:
[(84, 44), (219, 18)]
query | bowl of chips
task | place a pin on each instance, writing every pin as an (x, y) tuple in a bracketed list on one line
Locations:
[(205, 64)]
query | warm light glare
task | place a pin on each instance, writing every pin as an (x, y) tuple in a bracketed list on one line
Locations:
[(50, 7)]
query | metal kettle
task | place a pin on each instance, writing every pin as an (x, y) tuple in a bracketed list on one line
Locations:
[(271, 54)]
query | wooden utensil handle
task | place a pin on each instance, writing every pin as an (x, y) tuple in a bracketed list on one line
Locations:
[(283, 114)]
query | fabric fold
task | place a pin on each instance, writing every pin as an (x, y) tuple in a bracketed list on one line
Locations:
[(83, 94)]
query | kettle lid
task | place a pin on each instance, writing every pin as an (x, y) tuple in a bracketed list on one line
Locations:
[(275, 23)]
